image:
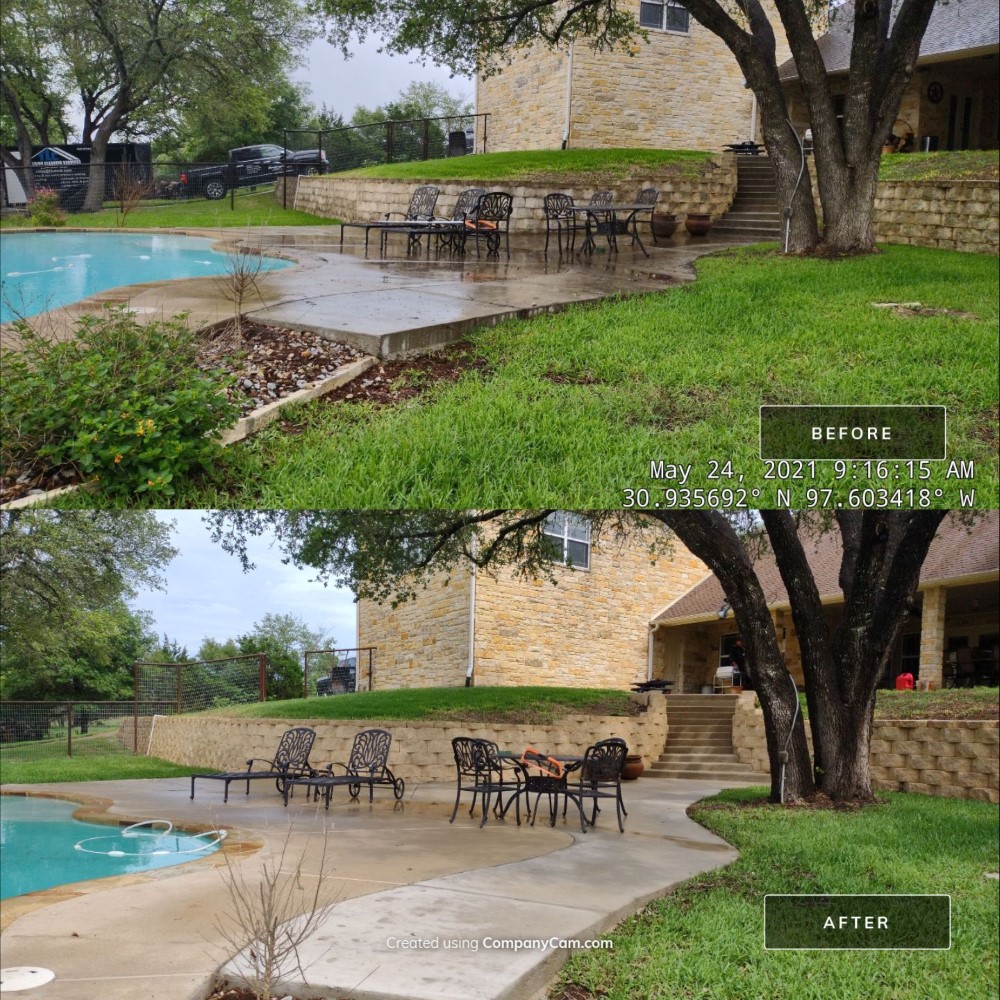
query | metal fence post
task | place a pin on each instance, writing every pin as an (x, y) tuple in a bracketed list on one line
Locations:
[(135, 722), (427, 139), (180, 689), (389, 136), (262, 670), (69, 729), (232, 185), (284, 171), (485, 117)]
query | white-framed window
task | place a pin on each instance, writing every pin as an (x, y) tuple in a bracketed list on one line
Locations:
[(568, 534), (664, 15)]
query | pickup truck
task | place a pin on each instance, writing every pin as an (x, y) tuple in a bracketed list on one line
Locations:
[(250, 166)]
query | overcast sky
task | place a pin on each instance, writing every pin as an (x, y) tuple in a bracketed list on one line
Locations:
[(368, 79), (208, 594)]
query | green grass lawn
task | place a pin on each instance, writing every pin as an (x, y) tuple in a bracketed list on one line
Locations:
[(542, 164), (250, 211), (49, 768), (570, 409), (705, 939), (966, 164), (528, 705), (951, 703)]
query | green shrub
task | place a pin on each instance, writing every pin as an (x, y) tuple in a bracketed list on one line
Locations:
[(44, 209), (122, 404)]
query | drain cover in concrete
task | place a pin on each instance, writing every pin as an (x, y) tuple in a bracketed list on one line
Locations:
[(24, 977)]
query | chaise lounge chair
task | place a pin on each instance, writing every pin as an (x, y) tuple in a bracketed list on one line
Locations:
[(365, 766), (291, 760), (421, 209)]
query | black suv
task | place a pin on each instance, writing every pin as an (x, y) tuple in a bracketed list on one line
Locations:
[(251, 166)]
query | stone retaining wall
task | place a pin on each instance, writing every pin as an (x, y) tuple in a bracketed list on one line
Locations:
[(947, 757), (357, 198), (421, 751), (949, 215)]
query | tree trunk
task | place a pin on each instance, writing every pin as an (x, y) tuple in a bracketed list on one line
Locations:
[(23, 168), (711, 537), (94, 201)]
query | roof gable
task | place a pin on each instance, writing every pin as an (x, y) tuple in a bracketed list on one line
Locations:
[(955, 27), (956, 552)]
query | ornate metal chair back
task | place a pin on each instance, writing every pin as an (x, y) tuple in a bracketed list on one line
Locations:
[(602, 198), (294, 748), (647, 196), (467, 202), (603, 762), (422, 203), (495, 207), (558, 206), (370, 752)]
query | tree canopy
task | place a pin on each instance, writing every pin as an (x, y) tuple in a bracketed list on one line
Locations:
[(65, 627)]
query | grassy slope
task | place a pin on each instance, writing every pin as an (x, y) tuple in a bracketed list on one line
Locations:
[(706, 938), (573, 406), (250, 211), (968, 164), (543, 164), (533, 705)]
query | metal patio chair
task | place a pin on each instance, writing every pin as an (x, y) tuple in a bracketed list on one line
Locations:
[(490, 221), (291, 760), (366, 765)]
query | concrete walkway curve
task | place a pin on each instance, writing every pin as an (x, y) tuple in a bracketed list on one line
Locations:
[(423, 909)]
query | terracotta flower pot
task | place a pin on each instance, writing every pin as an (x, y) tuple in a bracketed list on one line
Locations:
[(634, 766), (697, 223), (664, 225)]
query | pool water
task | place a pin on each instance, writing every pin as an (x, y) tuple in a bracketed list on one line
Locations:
[(42, 846), (41, 271)]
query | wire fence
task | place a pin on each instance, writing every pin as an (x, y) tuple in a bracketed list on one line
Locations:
[(42, 730), (338, 671)]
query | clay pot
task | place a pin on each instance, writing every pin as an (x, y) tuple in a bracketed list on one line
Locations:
[(664, 225), (698, 224), (633, 767)]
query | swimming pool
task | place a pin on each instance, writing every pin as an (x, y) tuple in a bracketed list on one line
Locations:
[(43, 271), (42, 846)]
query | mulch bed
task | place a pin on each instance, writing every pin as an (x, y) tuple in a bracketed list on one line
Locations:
[(269, 363)]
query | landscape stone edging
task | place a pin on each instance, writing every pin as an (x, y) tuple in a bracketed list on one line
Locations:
[(253, 422)]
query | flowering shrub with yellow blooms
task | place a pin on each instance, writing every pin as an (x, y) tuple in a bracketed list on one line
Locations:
[(122, 404)]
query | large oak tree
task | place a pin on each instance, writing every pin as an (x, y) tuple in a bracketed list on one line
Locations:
[(479, 35), (390, 555)]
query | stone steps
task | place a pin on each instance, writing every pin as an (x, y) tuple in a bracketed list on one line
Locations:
[(755, 211)]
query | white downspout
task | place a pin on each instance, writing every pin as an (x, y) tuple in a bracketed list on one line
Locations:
[(569, 97), (753, 117), (653, 626), (472, 626)]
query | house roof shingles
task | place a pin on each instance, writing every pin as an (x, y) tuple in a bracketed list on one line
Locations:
[(956, 552), (955, 27)]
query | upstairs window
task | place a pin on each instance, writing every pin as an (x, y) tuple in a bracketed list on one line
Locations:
[(568, 536), (664, 15)]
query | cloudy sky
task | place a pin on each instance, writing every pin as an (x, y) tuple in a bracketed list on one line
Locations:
[(208, 594), (368, 78)]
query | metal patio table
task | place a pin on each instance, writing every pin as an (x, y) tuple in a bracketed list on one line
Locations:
[(543, 784), (606, 221)]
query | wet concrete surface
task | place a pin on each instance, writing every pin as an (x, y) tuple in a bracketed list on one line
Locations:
[(393, 304)]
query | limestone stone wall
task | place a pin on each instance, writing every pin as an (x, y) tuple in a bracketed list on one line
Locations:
[(589, 631), (424, 642), (950, 215), (421, 751), (359, 198), (679, 90), (952, 758), (526, 102)]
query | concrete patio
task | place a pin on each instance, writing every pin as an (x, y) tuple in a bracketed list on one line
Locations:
[(421, 907), (399, 303)]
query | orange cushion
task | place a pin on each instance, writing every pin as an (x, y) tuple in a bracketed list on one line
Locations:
[(482, 224)]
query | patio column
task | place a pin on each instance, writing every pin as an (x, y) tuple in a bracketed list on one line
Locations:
[(932, 636)]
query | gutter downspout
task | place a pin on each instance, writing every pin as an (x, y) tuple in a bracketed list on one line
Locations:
[(472, 626), (653, 626), (569, 97)]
